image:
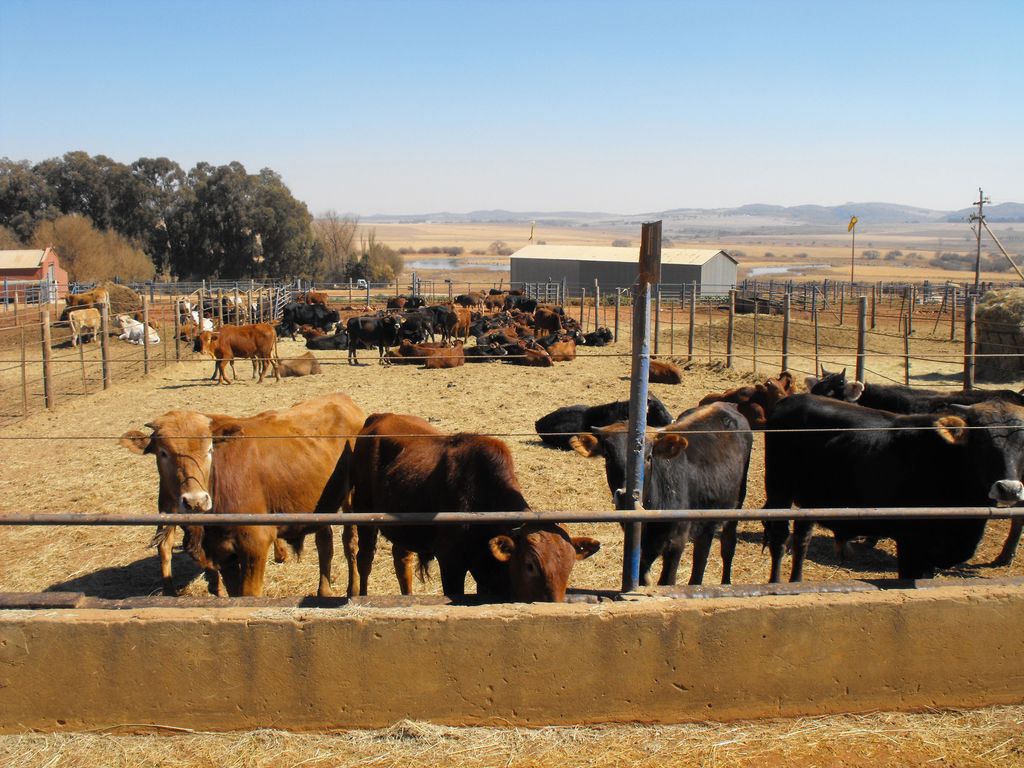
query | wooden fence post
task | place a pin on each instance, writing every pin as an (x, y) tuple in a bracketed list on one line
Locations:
[(730, 337), (862, 334), (906, 354), (104, 346), (81, 360), (618, 301), (754, 354), (842, 305), (24, 375), (910, 309), (969, 344), (583, 301), (786, 301), (238, 307), (48, 393), (597, 304), (145, 335), (177, 332)]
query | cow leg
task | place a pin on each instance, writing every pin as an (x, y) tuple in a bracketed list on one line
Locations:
[(1010, 545), (165, 533), (350, 543), (670, 559), (403, 559), (280, 551), (701, 549), (257, 367), (728, 549), (775, 534), (802, 530), (253, 565), (325, 556), (367, 549), (453, 577)]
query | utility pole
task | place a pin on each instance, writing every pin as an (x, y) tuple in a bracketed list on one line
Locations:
[(980, 218)]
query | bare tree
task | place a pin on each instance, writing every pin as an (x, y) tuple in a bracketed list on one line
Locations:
[(335, 236)]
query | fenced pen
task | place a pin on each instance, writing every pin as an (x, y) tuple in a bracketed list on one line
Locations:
[(904, 333)]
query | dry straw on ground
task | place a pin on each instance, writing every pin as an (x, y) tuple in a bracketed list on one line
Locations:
[(982, 738)]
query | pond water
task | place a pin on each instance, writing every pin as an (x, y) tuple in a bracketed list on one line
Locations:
[(450, 263), (790, 269)]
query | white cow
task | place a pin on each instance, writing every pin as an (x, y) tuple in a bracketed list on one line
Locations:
[(206, 325), (82, 320), (132, 330)]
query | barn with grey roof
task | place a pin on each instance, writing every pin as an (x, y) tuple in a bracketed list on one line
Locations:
[(713, 270)]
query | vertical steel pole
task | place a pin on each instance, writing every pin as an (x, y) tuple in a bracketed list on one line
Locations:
[(785, 331), (693, 320), (862, 334), (618, 302), (732, 329), (145, 334), (105, 346), (48, 395), (657, 317), (632, 496)]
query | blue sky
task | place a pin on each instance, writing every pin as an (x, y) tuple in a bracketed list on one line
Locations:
[(392, 107)]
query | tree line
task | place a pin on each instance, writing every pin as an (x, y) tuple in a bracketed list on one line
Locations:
[(152, 218)]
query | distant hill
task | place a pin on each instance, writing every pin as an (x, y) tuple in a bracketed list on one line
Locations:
[(1003, 212), (756, 213)]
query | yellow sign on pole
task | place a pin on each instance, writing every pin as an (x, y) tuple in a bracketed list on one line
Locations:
[(853, 223)]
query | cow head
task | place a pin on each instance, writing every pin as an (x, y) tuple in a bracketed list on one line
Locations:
[(991, 437), (835, 386), (183, 443), (540, 559)]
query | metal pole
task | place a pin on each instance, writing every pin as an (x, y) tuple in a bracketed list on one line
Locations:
[(693, 320), (657, 317), (709, 331), (874, 302), (817, 330), (862, 334), (672, 328), (906, 355), (785, 331), (618, 301), (952, 314), (24, 375), (754, 355), (732, 329), (631, 498), (583, 300), (969, 344), (177, 332)]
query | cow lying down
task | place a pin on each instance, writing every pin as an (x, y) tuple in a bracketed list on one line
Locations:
[(558, 427), (132, 331), (303, 365)]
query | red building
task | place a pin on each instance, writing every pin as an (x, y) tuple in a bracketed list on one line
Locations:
[(35, 274)]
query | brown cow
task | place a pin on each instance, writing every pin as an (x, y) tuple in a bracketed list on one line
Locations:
[(665, 373), (433, 355), (520, 354), (205, 465), (563, 351), (314, 297), (446, 357), (82, 321), (311, 332), (402, 464), (303, 365), (94, 298), (756, 401), (397, 302), (231, 341), (546, 320)]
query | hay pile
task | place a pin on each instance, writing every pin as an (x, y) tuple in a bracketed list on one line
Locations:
[(1000, 330), (123, 300)]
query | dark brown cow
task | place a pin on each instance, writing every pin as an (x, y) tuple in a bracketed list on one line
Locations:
[(309, 332), (433, 355), (205, 465), (231, 341), (665, 373), (397, 302), (756, 401), (303, 365), (402, 464), (520, 354)]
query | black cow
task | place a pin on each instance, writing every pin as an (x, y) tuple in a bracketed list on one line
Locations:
[(417, 327), (698, 462), (484, 353), (558, 427), (938, 463), (295, 314), (522, 303), (337, 340), (599, 338), (381, 331), (900, 399)]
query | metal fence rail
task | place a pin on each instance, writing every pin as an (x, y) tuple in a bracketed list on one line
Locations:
[(484, 518)]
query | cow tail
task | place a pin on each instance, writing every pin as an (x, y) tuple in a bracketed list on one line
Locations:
[(423, 566)]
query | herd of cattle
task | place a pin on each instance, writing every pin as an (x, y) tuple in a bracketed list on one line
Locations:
[(840, 444)]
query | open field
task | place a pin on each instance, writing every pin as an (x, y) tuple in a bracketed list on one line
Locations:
[(786, 248)]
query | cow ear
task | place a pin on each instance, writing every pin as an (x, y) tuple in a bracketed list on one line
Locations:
[(852, 391), (136, 441), (952, 429), (585, 546), (502, 547), (586, 444), (811, 382), (668, 445), (227, 432)]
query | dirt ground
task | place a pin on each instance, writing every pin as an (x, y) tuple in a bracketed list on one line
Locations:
[(70, 461)]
